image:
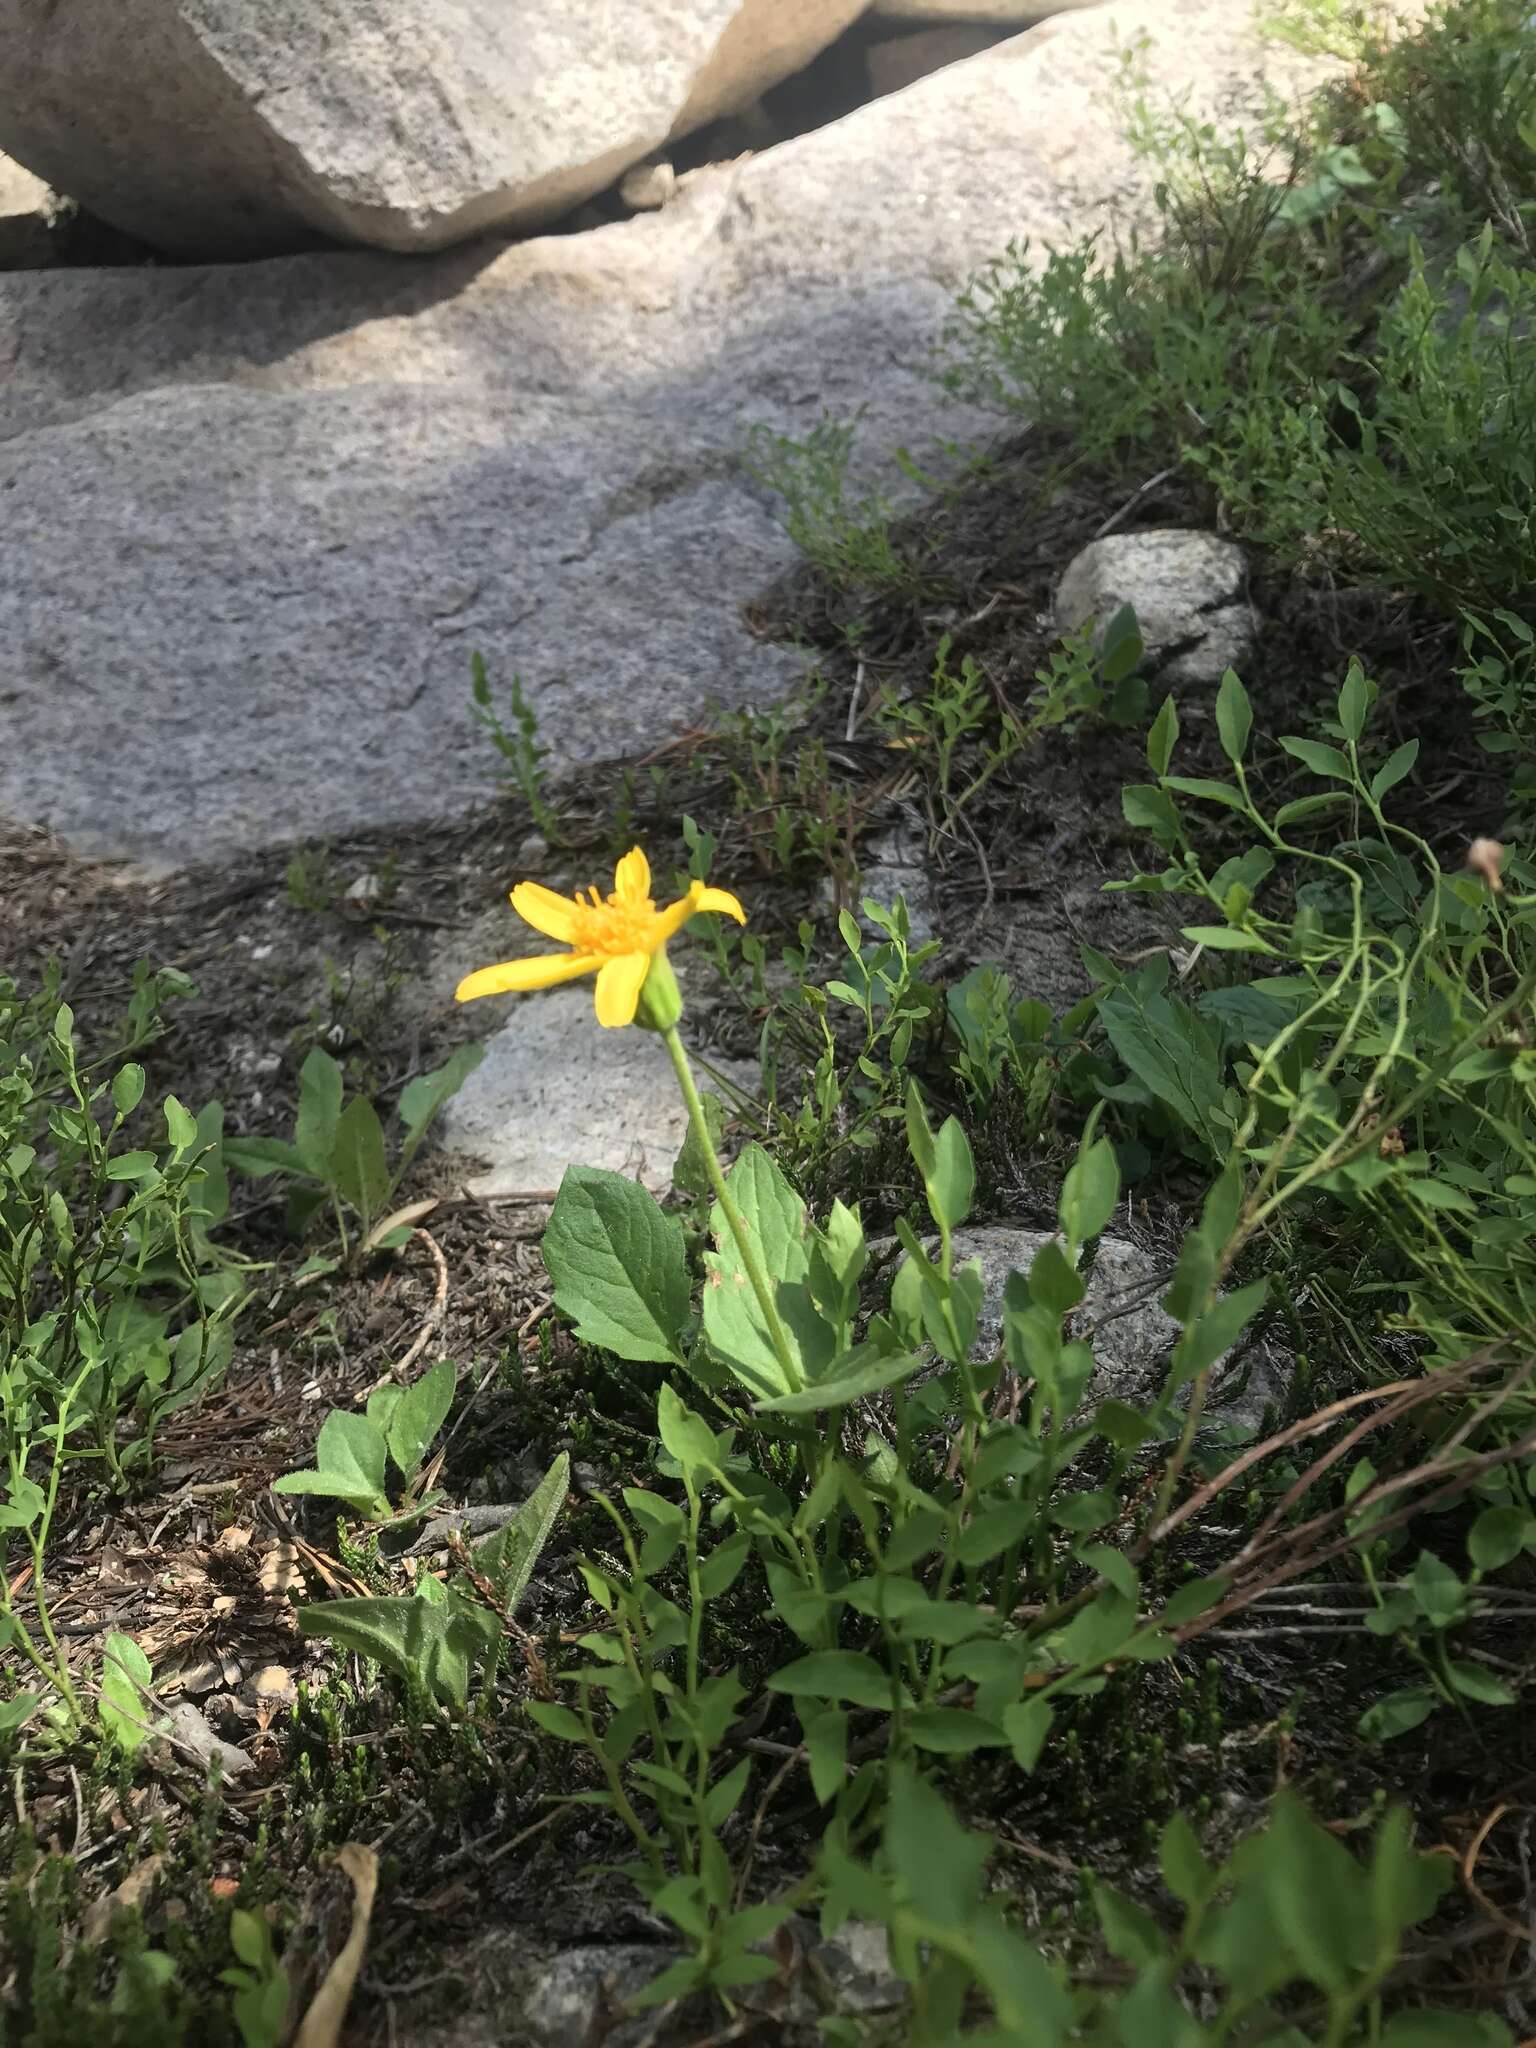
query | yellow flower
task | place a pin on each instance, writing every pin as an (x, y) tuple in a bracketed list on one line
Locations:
[(617, 940)]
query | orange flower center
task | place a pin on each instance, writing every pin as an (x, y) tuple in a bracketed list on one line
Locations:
[(610, 929)]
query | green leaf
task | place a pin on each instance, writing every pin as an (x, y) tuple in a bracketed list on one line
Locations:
[(1150, 809), (433, 1643), (1320, 759), (1234, 717), (690, 1173), (180, 1124), (1498, 1536), (1163, 737), (1222, 938), (1474, 1683), (932, 1858), (919, 1131), (1121, 645), (687, 1436), (1355, 701), (421, 1099), (725, 1795), (836, 1675), (1309, 807), (1315, 1892), (1190, 1600), (418, 1415), (260, 1156), (723, 1566), (774, 1218), (126, 1711), (1090, 1191), (508, 1556), (1185, 1870), (826, 1747), (1201, 786), (128, 1088), (1204, 1342), (618, 1267), (1130, 1932), (132, 1166), (1397, 1713), (1394, 768), (860, 1372), (951, 1184), (1027, 1723), (1430, 2027), (953, 1731), (320, 1092), (1174, 1052), (358, 1169), (349, 1458)]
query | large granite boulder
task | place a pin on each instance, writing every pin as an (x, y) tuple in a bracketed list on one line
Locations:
[(1000, 13), (220, 128), (257, 518), (26, 212)]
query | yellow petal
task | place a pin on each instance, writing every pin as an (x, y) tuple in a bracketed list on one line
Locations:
[(544, 970), (554, 916), (619, 982), (632, 879), (721, 900), (667, 923)]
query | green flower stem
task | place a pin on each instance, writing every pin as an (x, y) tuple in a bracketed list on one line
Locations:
[(749, 1258)]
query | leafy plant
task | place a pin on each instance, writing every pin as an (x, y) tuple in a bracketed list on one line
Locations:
[(520, 749), (849, 541), (1289, 1910), (437, 1639), (338, 1150), (398, 1428), (1381, 1057), (127, 1706), (258, 1981)]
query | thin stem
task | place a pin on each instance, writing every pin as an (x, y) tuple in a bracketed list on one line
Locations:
[(752, 1264)]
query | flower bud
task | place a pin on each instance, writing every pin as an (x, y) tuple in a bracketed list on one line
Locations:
[(661, 1000)]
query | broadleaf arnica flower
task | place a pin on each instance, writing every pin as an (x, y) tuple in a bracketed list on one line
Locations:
[(619, 938)]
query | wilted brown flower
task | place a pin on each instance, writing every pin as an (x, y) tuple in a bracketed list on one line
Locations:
[(1486, 858)]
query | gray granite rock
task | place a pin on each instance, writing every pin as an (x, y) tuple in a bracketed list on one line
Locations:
[(214, 128), (1121, 1316), (556, 1090), (901, 61), (896, 864), (577, 1999), (258, 518), (1189, 591), (1001, 13), (26, 217)]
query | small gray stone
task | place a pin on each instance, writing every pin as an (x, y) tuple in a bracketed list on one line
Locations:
[(1189, 592), (896, 864), (577, 1996), (1122, 1318), (648, 186), (856, 1963), (190, 1733), (556, 1090)]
